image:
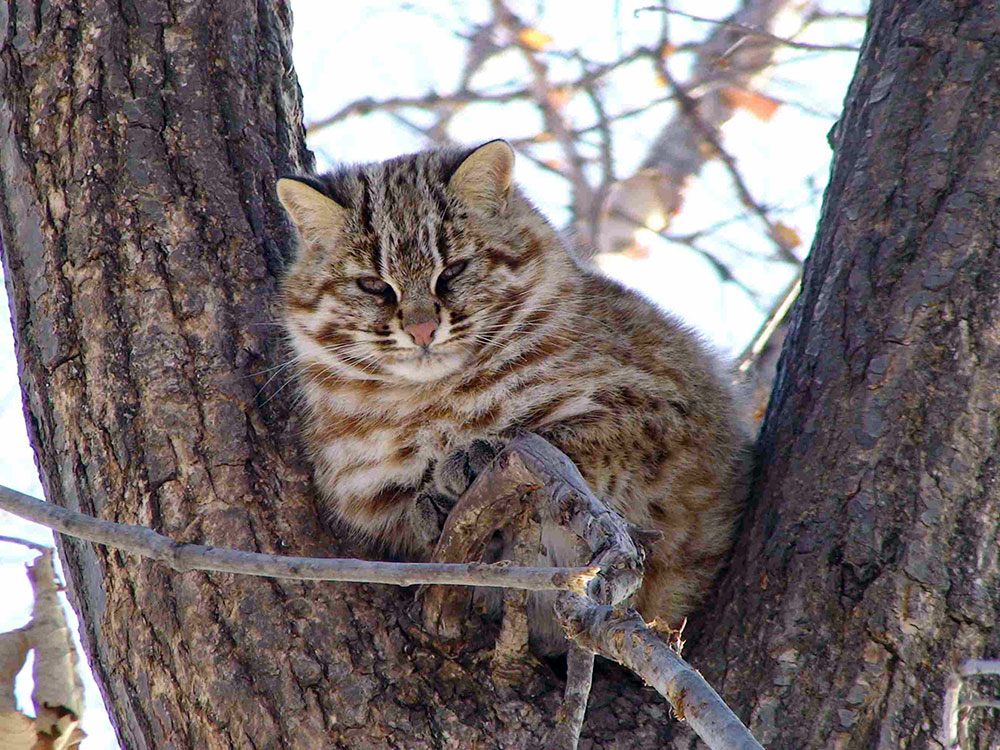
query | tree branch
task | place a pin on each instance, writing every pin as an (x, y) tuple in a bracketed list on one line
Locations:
[(774, 39), (25, 543), (555, 123), (532, 472), (430, 100), (952, 725), (623, 636), (569, 718), (184, 557), (710, 136)]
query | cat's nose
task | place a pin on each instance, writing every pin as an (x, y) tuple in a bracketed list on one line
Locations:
[(422, 333)]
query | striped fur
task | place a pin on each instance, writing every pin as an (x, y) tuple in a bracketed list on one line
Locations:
[(527, 340)]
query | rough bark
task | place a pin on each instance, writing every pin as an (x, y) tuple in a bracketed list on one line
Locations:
[(143, 240), (868, 566)]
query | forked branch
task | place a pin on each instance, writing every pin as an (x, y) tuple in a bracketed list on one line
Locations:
[(532, 475)]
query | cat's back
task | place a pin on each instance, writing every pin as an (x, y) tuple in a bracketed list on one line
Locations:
[(637, 343)]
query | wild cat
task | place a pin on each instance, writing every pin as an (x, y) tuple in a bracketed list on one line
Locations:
[(434, 312)]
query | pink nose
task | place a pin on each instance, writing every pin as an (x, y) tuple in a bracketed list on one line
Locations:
[(422, 333)]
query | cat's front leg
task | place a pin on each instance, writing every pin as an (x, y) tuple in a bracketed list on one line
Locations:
[(425, 519), (433, 501)]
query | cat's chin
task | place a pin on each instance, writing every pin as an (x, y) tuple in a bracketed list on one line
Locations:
[(426, 368)]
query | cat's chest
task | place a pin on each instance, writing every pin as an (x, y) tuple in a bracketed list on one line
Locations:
[(387, 423)]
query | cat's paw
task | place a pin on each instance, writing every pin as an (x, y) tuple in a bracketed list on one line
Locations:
[(459, 470), (425, 518)]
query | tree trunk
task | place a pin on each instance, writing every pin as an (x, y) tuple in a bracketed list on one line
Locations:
[(139, 147), (869, 563)]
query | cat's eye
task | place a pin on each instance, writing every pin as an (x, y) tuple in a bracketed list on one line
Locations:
[(373, 285), (450, 272)]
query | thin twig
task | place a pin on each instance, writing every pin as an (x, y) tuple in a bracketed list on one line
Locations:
[(777, 315), (25, 543), (754, 32), (951, 729), (569, 718), (433, 136), (542, 88), (606, 151), (464, 96), (690, 241), (690, 107), (184, 557), (971, 667), (429, 101)]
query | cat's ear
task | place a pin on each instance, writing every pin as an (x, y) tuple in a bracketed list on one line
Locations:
[(483, 179), (315, 216)]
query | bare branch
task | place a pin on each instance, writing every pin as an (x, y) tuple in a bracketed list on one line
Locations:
[(532, 471), (624, 637), (430, 100), (690, 241), (710, 136), (478, 54), (25, 543), (607, 153), (583, 193), (763, 339), (657, 191), (569, 718), (184, 557), (754, 31), (971, 667)]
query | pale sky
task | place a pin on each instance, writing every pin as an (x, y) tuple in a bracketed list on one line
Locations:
[(345, 51)]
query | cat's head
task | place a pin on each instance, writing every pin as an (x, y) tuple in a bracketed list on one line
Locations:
[(414, 268)]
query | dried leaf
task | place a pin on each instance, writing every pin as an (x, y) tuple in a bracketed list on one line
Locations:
[(758, 417), (544, 137), (559, 98), (534, 39), (557, 164), (660, 80), (667, 50), (636, 251), (786, 236), (708, 150), (759, 105)]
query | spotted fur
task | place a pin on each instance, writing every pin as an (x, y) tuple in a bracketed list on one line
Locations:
[(526, 339)]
